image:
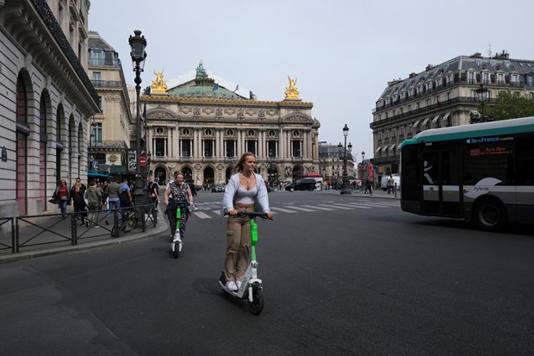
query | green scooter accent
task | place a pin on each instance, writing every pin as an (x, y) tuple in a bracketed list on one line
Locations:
[(253, 239)]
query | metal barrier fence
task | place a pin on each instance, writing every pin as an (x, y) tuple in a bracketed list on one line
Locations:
[(36, 230)]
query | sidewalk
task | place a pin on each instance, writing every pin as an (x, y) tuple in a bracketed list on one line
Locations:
[(359, 193), (99, 237)]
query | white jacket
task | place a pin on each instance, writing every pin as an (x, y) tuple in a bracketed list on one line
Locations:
[(261, 200)]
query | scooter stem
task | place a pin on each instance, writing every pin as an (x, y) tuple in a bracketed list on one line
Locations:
[(253, 239)]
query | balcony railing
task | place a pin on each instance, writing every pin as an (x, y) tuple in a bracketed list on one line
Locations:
[(107, 83), (104, 62)]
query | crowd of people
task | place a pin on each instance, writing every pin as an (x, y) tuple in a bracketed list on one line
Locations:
[(111, 195)]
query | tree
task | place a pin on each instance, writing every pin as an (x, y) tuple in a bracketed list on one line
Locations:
[(509, 106)]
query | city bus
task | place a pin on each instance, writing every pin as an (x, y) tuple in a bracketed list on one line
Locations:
[(483, 172)]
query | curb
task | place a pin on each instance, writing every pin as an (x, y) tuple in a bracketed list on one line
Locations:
[(161, 227)]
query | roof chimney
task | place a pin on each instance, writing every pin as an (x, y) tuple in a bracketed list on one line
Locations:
[(476, 55), (502, 55), (429, 67), (412, 74)]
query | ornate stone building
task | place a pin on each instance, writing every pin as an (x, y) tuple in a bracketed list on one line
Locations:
[(46, 100), (442, 95), (331, 162), (110, 129), (201, 128)]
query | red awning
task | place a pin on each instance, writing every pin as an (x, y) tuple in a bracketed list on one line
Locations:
[(312, 175)]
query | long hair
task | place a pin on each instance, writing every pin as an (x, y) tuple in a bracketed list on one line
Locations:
[(239, 165), (77, 187)]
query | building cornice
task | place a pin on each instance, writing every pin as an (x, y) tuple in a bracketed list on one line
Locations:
[(224, 102)]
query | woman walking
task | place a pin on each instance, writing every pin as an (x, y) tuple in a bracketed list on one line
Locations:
[(245, 192), (61, 196), (77, 195)]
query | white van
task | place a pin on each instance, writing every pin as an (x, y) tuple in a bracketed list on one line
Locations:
[(384, 181)]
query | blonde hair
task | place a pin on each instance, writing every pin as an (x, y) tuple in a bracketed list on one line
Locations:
[(239, 165), (77, 187)]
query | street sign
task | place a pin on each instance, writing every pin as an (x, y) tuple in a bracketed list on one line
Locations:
[(132, 161), (142, 161)]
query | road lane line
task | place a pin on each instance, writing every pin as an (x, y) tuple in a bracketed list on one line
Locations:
[(202, 215), (318, 207), (349, 206), (299, 208), (336, 206), (282, 210)]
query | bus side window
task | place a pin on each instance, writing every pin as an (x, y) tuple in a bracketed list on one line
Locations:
[(488, 160), (525, 161)]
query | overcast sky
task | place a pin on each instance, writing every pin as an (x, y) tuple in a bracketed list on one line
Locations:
[(343, 53)]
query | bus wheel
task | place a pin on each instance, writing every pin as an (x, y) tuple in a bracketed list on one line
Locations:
[(489, 215)]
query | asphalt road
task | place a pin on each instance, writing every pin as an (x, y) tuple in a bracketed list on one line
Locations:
[(360, 278)]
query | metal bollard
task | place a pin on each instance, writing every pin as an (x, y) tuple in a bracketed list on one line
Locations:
[(115, 223), (395, 190), (73, 230), (16, 235), (143, 221), (13, 234)]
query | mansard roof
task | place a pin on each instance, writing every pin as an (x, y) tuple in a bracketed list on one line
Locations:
[(97, 42), (462, 63)]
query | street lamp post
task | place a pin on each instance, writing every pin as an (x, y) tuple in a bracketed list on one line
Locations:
[(138, 54), (482, 94), (345, 189)]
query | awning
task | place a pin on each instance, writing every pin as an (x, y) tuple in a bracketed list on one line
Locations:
[(435, 119), (425, 121), (446, 116), (378, 149), (399, 146), (416, 123), (96, 174), (392, 147)]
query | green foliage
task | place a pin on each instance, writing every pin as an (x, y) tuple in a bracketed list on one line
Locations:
[(510, 106)]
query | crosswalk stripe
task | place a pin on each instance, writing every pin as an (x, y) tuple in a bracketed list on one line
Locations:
[(202, 215), (217, 211), (357, 206), (282, 210), (336, 206), (299, 208), (318, 207), (375, 205)]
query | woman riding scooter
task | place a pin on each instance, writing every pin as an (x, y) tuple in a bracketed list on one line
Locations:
[(245, 192)]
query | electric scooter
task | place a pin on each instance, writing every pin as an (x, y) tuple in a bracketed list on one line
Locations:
[(251, 288), (177, 238)]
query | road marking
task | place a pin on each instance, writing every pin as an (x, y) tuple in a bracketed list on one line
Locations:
[(375, 205), (354, 205), (318, 207), (202, 215), (336, 206), (299, 208), (217, 211), (282, 210)]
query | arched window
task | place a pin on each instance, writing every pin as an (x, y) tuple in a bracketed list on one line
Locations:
[(43, 140), (71, 137), (80, 135), (60, 119), (22, 137)]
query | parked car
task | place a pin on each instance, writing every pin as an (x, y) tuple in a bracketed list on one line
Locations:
[(303, 184), (217, 188)]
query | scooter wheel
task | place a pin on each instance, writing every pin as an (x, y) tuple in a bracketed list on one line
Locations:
[(176, 252), (257, 301)]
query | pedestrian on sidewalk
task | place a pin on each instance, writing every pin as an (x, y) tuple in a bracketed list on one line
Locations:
[(77, 194), (126, 200), (94, 202), (61, 197), (114, 203)]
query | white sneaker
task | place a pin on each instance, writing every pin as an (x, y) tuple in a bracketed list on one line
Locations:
[(231, 286), (238, 284)]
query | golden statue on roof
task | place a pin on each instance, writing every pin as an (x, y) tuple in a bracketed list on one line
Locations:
[(158, 85), (292, 92)]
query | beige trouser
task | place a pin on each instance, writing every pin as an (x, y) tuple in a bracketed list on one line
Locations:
[(238, 245)]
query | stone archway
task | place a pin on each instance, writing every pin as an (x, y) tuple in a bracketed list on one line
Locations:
[(160, 175), (188, 174), (297, 172), (209, 176)]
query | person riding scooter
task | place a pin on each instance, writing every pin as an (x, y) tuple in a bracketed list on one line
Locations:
[(245, 192)]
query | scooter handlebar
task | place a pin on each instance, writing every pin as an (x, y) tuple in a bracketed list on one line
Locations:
[(250, 215)]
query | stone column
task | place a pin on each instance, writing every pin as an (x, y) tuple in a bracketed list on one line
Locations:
[(239, 143)]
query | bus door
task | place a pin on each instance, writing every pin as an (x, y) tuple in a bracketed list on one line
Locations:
[(442, 193)]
